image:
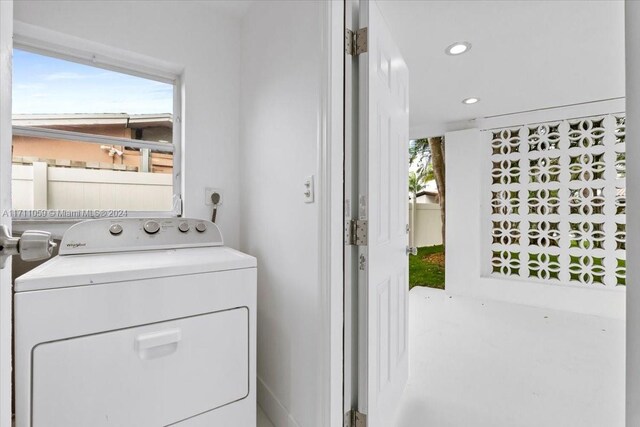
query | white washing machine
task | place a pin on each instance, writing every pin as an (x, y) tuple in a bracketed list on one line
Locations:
[(137, 322)]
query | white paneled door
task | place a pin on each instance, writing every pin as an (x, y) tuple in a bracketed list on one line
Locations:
[(383, 187), (6, 34)]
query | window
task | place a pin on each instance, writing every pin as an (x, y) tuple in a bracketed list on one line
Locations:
[(557, 201), (92, 141)]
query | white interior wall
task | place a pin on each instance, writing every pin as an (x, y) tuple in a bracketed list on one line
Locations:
[(632, 28), (203, 42), (282, 63), (466, 175)]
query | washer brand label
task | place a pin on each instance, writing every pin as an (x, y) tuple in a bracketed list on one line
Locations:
[(76, 245)]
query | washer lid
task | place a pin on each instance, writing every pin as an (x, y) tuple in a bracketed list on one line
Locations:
[(100, 268)]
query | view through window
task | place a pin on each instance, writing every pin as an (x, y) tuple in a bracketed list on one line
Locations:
[(89, 139)]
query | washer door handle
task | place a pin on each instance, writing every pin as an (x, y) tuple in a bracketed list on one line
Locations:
[(157, 344)]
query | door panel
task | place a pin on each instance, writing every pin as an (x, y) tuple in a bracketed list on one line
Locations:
[(383, 187)]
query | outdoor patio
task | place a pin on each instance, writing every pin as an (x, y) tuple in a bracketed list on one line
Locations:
[(477, 363)]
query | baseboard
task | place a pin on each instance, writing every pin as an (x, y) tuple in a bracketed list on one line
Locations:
[(273, 409)]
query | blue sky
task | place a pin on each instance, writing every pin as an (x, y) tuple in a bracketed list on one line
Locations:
[(46, 85)]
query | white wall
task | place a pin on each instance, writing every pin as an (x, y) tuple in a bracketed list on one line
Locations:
[(205, 43), (465, 172), (282, 67), (632, 29)]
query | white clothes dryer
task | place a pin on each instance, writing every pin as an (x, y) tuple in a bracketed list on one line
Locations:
[(137, 322)]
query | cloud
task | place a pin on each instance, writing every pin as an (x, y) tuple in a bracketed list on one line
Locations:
[(64, 75), (28, 86)]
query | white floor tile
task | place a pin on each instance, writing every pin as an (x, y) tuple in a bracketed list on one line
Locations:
[(487, 364)]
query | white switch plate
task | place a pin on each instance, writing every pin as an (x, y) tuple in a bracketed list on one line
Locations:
[(308, 189), (207, 196)]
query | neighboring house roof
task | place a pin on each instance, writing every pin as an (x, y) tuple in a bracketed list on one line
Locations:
[(144, 120), (426, 193), (128, 120), (430, 188)]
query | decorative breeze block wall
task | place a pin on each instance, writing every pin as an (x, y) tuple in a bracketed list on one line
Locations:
[(557, 201)]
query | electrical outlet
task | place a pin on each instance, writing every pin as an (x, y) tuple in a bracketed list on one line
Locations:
[(207, 196), (308, 190)]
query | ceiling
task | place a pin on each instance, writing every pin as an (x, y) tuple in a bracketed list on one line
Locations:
[(525, 55)]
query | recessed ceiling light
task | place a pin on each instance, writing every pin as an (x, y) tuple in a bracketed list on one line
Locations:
[(470, 100), (457, 48)]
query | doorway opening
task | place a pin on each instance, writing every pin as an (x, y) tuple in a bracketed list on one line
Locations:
[(427, 219), (535, 212)]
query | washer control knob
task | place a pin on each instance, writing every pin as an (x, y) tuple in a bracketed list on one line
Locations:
[(201, 227), (151, 227), (115, 229), (183, 226)]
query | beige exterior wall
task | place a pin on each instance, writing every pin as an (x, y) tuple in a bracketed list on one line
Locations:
[(26, 150)]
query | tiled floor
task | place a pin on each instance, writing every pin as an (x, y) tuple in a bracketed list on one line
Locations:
[(263, 421), (487, 364)]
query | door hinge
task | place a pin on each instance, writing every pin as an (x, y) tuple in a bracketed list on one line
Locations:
[(354, 418), (355, 43), (355, 232)]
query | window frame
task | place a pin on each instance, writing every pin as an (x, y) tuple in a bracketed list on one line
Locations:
[(57, 45)]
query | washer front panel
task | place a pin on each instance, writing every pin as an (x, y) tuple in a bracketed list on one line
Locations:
[(62, 314)]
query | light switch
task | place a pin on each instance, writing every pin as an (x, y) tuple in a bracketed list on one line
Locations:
[(308, 190)]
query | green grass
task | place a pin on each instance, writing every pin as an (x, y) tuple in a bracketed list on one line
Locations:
[(424, 273)]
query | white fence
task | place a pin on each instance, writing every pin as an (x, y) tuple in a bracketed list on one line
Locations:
[(427, 224), (40, 186)]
